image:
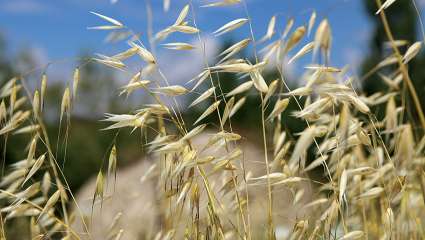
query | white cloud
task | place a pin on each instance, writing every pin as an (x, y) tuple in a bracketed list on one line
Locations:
[(23, 7)]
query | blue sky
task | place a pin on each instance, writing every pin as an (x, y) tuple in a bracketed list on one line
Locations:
[(57, 29)]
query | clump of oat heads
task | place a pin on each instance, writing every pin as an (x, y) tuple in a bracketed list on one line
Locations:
[(373, 185)]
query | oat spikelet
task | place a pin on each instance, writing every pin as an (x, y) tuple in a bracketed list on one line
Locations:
[(76, 80), (66, 103), (237, 106), (197, 130), (208, 111), (227, 109), (51, 202), (222, 3), (241, 88), (43, 90), (311, 22), (304, 50), (270, 30), (342, 185), (385, 5), (230, 26), (279, 107), (295, 38), (352, 235), (259, 82), (115, 24), (203, 96), (36, 104), (182, 16), (322, 38), (112, 162), (179, 46), (99, 187), (35, 167), (412, 51), (174, 90)]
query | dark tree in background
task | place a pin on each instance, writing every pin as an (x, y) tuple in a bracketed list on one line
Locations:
[(403, 22)]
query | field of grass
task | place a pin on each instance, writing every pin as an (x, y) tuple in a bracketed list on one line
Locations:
[(354, 169)]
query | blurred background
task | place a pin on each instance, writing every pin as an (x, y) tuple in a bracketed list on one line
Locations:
[(51, 37)]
